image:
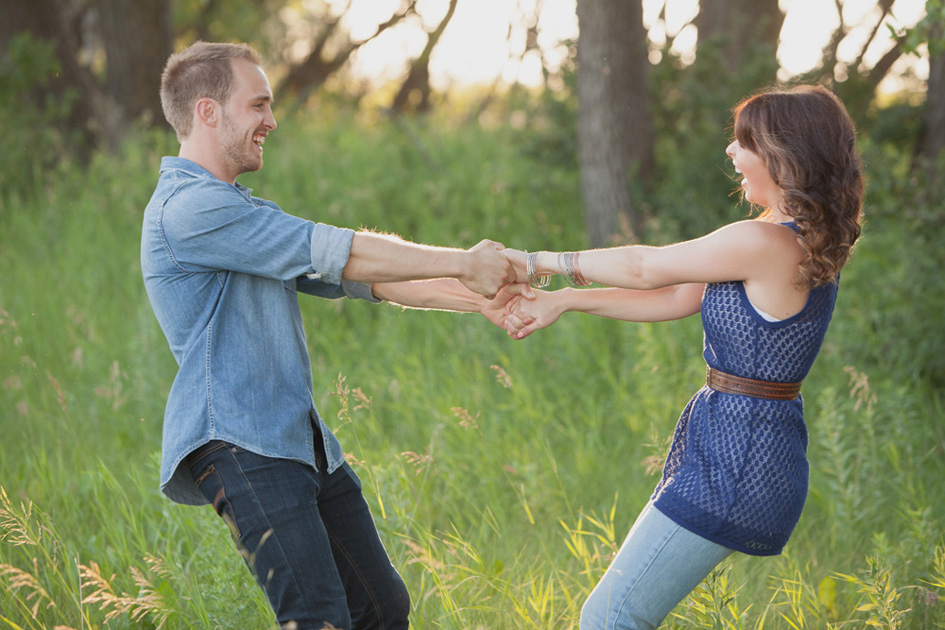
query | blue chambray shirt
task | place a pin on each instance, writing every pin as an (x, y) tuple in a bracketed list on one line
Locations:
[(223, 270)]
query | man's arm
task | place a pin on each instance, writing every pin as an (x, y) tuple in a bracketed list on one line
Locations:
[(382, 258), (448, 294)]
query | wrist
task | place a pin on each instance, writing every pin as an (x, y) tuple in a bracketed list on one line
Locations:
[(566, 300), (568, 267), (547, 263), (459, 264)]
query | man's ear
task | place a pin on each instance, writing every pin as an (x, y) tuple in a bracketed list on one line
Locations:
[(207, 112)]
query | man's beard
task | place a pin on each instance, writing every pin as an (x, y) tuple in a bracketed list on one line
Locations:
[(236, 152)]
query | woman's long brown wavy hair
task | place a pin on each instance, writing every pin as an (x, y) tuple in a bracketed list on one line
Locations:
[(807, 141)]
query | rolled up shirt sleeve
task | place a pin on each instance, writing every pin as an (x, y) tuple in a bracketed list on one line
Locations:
[(330, 249), (347, 288), (359, 291)]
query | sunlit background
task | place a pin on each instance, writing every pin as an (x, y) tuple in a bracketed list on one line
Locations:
[(475, 48)]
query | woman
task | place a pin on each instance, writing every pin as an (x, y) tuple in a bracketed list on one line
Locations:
[(736, 475)]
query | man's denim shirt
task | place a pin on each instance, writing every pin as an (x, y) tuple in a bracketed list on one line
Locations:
[(222, 270)]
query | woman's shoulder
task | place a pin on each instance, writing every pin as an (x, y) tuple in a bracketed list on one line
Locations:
[(759, 233)]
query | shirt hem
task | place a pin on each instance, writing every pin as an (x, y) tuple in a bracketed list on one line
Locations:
[(719, 540)]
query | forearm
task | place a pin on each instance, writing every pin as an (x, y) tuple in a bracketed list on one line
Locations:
[(623, 267), (445, 294), (741, 251), (631, 305), (380, 258), (383, 258)]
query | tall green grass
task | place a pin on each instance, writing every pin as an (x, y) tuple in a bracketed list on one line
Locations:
[(503, 475)]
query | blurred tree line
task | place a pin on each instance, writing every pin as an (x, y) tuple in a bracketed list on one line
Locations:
[(79, 74)]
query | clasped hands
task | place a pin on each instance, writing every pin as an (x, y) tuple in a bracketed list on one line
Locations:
[(501, 276)]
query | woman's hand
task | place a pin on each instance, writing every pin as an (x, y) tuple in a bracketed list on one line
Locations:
[(524, 317), (517, 259), (496, 309)]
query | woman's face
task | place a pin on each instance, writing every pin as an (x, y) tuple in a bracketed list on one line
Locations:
[(756, 181)]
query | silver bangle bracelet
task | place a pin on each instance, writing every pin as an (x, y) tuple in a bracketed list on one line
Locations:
[(538, 282), (568, 261)]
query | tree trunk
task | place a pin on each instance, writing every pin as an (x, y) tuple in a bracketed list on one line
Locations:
[(137, 40), (615, 137), (739, 25), (49, 20), (415, 91), (933, 140)]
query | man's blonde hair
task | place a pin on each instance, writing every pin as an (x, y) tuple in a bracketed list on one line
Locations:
[(202, 70)]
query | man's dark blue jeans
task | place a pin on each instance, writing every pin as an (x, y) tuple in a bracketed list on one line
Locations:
[(308, 538)]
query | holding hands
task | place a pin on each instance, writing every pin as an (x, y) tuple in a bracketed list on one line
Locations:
[(526, 312), (508, 278), (487, 269), (524, 315)]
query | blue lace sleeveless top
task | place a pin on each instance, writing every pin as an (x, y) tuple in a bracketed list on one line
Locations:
[(737, 471)]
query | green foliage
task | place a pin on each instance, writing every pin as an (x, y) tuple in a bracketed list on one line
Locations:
[(550, 130), (256, 22), (928, 31), (898, 124), (689, 193), (29, 115), (502, 475), (903, 248), (883, 605), (692, 190), (713, 604)]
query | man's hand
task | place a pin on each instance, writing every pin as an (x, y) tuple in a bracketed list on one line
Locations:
[(487, 270)]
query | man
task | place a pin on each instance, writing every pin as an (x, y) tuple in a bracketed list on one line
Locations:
[(222, 270)]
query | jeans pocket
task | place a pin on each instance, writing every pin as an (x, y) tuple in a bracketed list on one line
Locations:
[(210, 484), (200, 455)]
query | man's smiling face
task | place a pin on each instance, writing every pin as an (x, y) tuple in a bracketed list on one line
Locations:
[(246, 119)]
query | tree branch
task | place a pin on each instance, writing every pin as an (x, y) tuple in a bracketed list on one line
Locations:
[(314, 70)]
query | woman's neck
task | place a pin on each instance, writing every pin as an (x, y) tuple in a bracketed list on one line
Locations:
[(776, 215)]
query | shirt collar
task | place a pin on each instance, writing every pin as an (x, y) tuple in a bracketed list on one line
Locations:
[(174, 163)]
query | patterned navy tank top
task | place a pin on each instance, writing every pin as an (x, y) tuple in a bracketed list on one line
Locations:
[(737, 470)]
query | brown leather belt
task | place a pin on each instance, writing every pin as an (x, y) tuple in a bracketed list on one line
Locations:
[(730, 384)]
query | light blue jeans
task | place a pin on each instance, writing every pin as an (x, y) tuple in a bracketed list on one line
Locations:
[(657, 566)]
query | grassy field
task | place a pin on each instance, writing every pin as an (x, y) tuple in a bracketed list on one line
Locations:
[(502, 474)]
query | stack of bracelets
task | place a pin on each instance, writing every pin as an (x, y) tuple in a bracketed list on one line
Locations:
[(567, 266), (539, 282)]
